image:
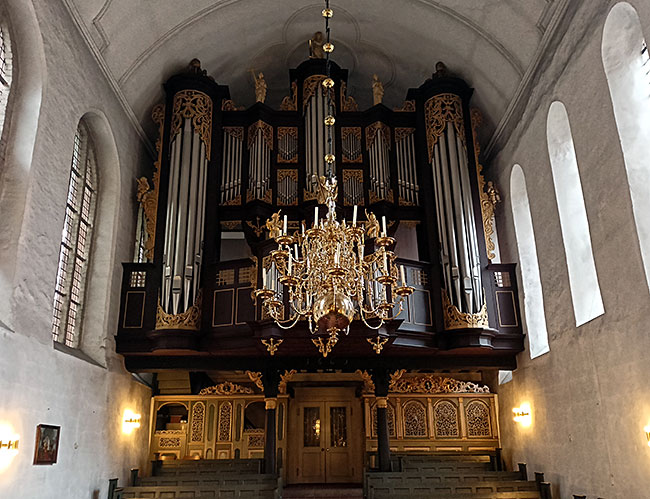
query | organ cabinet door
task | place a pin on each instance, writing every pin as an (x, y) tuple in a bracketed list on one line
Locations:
[(325, 443)]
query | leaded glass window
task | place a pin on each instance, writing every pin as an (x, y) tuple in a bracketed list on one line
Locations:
[(76, 240)]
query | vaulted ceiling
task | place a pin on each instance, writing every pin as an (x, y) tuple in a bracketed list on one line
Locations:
[(492, 44)]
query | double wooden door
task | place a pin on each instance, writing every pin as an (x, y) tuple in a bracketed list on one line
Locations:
[(324, 440)]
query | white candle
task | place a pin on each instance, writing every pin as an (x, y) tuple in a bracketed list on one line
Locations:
[(337, 255), (315, 216), (354, 216), (295, 249), (263, 279), (402, 273), (303, 229), (290, 259), (285, 225), (386, 262), (361, 251), (383, 225)]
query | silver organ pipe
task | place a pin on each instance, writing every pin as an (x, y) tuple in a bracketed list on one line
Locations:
[(407, 179), (378, 145), (315, 133), (260, 144), (189, 156), (454, 205), (233, 145)]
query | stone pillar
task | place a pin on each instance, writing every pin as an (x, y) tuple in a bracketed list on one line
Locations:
[(270, 379), (380, 378)]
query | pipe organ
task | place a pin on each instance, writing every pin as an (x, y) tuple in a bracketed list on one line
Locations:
[(222, 168)]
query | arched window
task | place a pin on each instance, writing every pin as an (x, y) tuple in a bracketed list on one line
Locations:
[(5, 71), (76, 240), (583, 280), (627, 67), (529, 265)]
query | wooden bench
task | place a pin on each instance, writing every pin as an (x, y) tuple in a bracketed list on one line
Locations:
[(175, 467), (380, 479), (214, 480), (242, 490), (410, 488)]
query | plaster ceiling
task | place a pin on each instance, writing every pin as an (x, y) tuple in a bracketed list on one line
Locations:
[(489, 43)]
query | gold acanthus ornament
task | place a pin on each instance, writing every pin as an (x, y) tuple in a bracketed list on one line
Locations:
[(227, 388), (267, 133), (290, 102), (455, 319), (438, 111), (432, 384), (190, 319), (348, 104), (196, 106), (147, 196), (490, 196), (373, 130), (256, 377), (407, 107), (284, 379), (309, 87)]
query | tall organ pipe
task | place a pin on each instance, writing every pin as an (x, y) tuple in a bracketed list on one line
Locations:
[(454, 203), (186, 198)]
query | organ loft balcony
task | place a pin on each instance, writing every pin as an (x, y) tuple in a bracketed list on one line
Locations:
[(222, 172)]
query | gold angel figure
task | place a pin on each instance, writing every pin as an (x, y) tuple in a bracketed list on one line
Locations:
[(274, 225), (260, 86), (377, 90), (316, 46), (143, 188), (372, 225), (327, 190)]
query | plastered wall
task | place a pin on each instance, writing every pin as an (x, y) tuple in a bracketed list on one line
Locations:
[(57, 81), (589, 395)]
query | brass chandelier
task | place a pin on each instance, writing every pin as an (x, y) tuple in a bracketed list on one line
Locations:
[(322, 274)]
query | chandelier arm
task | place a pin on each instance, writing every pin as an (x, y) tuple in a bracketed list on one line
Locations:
[(279, 324), (381, 323)]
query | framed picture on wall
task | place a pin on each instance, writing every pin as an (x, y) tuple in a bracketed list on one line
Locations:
[(47, 444)]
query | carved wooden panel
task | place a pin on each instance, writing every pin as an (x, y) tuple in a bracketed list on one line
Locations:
[(415, 419), (198, 422), (445, 417), (477, 416)]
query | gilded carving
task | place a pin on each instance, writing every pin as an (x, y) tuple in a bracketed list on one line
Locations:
[(227, 388), (284, 379), (403, 132), (197, 106), (225, 422), (257, 228), (415, 419), (348, 104), (455, 319), (233, 202), (267, 133), (146, 196), (373, 130), (231, 224), (390, 415), (236, 132), (190, 319), (198, 420), (287, 144), (407, 107), (254, 438), (438, 111), (431, 384), (477, 416), (488, 201), (351, 144), (368, 383), (290, 102), (272, 345), (445, 417), (256, 377), (169, 442), (229, 105), (309, 87)]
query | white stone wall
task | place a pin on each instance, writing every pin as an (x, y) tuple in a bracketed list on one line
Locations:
[(589, 395), (57, 81)]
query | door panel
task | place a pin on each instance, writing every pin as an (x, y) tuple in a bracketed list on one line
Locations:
[(312, 463), (325, 438)]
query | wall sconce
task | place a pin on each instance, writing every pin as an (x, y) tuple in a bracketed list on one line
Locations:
[(9, 442), (522, 415), (647, 434), (130, 422)]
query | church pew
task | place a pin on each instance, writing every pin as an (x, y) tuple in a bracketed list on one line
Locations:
[(241, 490), (221, 465), (443, 477), (207, 480), (410, 487)]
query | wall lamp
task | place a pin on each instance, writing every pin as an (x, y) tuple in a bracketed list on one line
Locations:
[(522, 415), (647, 434), (9, 442), (130, 422)]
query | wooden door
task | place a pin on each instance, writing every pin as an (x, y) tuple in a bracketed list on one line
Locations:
[(324, 443)]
